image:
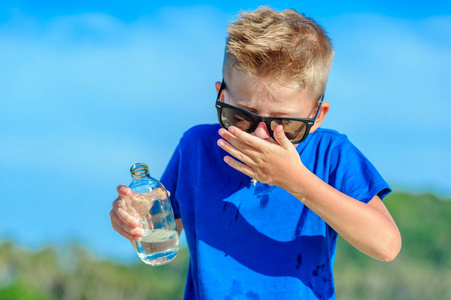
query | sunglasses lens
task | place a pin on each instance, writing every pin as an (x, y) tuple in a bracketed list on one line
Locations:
[(294, 130), (238, 118)]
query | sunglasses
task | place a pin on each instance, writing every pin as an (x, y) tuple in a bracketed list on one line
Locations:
[(296, 129)]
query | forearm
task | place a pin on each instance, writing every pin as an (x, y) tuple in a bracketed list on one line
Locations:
[(368, 227)]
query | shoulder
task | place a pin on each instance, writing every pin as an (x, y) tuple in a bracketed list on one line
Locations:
[(328, 134), (329, 138), (328, 144), (348, 169)]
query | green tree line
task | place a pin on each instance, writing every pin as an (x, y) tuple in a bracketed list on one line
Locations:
[(421, 271)]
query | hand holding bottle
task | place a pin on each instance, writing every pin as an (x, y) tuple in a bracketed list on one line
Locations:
[(123, 222), (143, 214)]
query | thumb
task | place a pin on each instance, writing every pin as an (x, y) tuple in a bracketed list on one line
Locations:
[(281, 138), (123, 190)]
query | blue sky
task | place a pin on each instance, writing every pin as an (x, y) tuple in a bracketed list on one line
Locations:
[(88, 88)]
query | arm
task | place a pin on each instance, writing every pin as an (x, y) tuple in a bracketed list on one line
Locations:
[(368, 227)]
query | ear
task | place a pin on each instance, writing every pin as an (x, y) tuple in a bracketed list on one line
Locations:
[(218, 86), (321, 115)]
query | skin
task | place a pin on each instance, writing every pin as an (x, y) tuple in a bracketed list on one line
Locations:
[(123, 222), (368, 227)]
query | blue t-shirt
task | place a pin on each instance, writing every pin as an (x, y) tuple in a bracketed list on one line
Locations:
[(260, 242)]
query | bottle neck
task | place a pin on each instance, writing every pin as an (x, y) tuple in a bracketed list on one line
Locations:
[(139, 171)]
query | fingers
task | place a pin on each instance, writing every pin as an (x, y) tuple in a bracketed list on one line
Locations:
[(123, 190), (256, 157), (162, 193), (129, 232), (241, 146), (233, 152), (240, 139), (241, 149), (243, 168), (120, 209), (281, 138), (121, 212), (124, 223)]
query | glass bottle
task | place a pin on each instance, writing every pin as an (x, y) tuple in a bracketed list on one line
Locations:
[(150, 204)]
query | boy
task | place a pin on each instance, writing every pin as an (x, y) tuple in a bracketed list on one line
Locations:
[(263, 195)]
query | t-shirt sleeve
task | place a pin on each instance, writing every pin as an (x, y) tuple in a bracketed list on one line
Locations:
[(169, 180), (353, 174)]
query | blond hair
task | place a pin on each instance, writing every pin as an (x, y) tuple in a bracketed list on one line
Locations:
[(267, 43)]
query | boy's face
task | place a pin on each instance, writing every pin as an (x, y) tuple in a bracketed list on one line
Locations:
[(267, 98)]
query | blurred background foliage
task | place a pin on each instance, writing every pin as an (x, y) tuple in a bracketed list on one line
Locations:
[(421, 271)]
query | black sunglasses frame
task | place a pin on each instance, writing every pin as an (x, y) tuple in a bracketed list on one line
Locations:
[(267, 120)]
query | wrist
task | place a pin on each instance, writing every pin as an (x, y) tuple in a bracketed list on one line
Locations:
[(297, 181)]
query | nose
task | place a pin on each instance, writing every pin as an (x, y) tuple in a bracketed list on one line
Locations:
[(262, 131)]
